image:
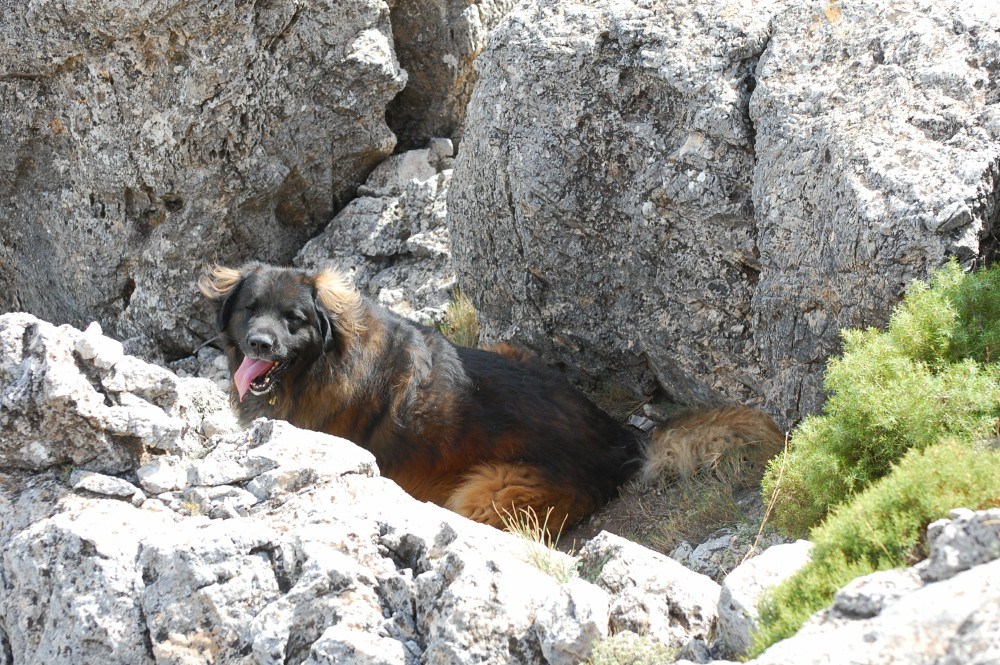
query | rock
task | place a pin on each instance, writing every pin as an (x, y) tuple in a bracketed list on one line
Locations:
[(878, 145), (325, 561), (76, 569), (710, 558), (967, 540), (742, 590), (219, 502), (571, 622), (146, 139), (437, 42), (651, 594), (393, 240), (340, 645), (71, 397), (866, 597), (98, 483), (289, 547), (908, 616), (728, 547), (932, 624), (162, 474), (601, 208), (976, 642)]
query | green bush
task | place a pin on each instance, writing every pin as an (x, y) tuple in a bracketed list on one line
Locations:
[(881, 528), (932, 375)]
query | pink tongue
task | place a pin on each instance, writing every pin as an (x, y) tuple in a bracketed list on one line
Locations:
[(248, 371)]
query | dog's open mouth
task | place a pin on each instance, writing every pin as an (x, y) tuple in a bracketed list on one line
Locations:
[(257, 376)]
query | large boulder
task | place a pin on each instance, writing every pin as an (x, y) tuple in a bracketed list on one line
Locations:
[(146, 139), (704, 192), (600, 207), (878, 155)]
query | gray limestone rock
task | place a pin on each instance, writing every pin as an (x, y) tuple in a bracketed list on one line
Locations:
[(742, 590), (393, 239), (162, 474), (696, 196), (934, 624), (146, 138), (601, 206), (98, 483), (878, 155), (943, 610), (968, 539), (73, 397), (651, 594), (69, 585), (570, 623), (293, 549)]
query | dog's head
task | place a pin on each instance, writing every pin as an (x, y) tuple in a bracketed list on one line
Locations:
[(275, 322)]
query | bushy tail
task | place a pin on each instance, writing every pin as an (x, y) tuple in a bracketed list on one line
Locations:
[(705, 439)]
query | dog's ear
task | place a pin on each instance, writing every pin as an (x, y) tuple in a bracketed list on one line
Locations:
[(325, 323), (220, 285), (340, 300)]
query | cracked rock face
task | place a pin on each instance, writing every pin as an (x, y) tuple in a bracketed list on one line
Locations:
[(131, 544), (891, 617), (701, 194), (68, 397), (143, 140)]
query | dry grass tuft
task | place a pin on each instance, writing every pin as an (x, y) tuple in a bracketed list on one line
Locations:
[(461, 323), (542, 550)]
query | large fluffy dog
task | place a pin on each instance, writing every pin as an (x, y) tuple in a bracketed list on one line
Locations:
[(483, 433)]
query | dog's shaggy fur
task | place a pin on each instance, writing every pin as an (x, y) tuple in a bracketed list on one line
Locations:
[(484, 433)]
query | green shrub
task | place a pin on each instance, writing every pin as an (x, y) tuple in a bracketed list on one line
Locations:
[(932, 375), (882, 528)]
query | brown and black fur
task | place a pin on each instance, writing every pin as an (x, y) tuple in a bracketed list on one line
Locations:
[(481, 432)]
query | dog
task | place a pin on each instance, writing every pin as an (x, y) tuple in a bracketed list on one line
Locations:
[(486, 433)]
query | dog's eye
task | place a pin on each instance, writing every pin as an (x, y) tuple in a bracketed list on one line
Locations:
[(251, 306), (297, 318)]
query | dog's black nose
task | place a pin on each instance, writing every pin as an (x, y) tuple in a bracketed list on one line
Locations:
[(261, 343)]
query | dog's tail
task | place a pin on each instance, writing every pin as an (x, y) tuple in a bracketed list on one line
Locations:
[(707, 439)]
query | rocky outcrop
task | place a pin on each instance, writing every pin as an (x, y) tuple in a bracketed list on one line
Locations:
[(437, 42), (76, 398), (143, 140), (271, 545), (705, 193), (137, 525), (392, 240)]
